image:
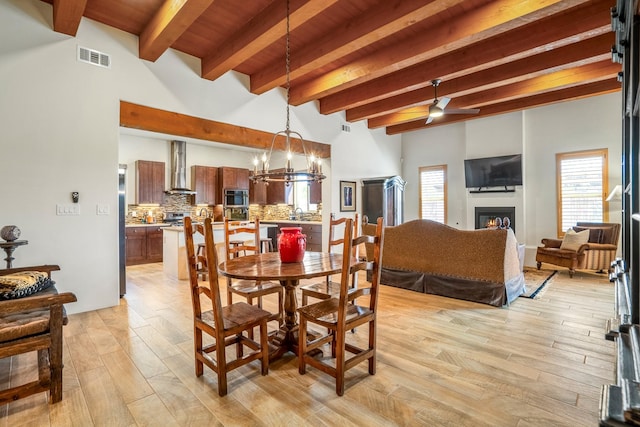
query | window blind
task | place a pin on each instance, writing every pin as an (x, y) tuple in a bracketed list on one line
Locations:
[(433, 193), (581, 189)]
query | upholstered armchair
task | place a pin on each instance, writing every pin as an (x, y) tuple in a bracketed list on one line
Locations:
[(595, 254)]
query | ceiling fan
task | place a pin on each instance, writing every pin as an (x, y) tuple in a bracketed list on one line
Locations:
[(437, 108)]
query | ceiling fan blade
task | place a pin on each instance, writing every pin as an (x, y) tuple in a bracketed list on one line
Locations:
[(462, 111), (442, 102)]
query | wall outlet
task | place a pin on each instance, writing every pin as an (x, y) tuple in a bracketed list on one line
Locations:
[(103, 209), (67, 209)]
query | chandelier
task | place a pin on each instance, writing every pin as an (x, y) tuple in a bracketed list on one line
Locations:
[(261, 172)]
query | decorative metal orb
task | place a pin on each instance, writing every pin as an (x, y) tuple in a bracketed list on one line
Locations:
[(10, 233)]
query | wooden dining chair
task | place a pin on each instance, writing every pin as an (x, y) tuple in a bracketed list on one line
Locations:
[(249, 289), (328, 288), (224, 324), (342, 313)]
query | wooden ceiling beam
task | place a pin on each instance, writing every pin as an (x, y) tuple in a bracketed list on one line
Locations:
[(383, 20), (152, 119), (568, 94), (590, 50), (494, 18), (171, 20), (263, 30), (602, 70), (67, 15), (585, 21)]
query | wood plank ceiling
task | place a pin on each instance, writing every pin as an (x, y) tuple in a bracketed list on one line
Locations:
[(375, 59)]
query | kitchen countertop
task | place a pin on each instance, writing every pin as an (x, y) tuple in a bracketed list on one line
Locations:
[(155, 224), (216, 226), (289, 221), (219, 225)]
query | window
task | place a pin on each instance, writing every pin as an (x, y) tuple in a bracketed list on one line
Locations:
[(433, 193), (581, 187)]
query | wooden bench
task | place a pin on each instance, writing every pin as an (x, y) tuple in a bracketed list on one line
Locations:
[(34, 323)]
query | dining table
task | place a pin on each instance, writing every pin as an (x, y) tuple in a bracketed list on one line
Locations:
[(267, 266)]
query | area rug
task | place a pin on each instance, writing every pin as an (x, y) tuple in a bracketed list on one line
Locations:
[(536, 282)]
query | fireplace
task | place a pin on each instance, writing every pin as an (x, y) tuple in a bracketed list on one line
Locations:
[(486, 216)]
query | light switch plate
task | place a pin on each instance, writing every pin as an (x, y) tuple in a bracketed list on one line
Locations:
[(67, 209), (103, 209)]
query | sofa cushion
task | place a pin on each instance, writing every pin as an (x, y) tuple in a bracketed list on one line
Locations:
[(573, 240), (595, 233), (22, 284)]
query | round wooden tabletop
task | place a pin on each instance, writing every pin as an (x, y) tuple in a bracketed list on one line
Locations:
[(268, 266)]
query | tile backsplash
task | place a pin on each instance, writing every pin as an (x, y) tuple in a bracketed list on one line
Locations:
[(137, 214)]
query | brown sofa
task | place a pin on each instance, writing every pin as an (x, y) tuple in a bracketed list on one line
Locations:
[(597, 254), (430, 257)]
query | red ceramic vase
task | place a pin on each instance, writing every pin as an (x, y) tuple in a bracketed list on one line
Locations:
[(291, 244)]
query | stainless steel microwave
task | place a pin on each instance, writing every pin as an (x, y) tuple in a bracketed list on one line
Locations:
[(236, 198)]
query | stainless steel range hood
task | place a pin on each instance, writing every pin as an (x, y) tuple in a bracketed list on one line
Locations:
[(179, 169)]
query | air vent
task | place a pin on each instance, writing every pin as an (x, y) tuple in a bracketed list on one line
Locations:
[(346, 128), (94, 57)]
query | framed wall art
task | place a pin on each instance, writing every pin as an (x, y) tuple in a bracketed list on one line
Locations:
[(347, 196)]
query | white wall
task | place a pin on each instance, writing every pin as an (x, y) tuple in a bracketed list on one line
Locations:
[(538, 134), (591, 123), (60, 133), (496, 136)]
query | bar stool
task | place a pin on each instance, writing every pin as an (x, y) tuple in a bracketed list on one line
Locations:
[(236, 243), (266, 245)]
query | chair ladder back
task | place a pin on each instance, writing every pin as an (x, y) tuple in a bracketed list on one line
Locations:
[(232, 250), (192, 264), (369, 265), (212, 266), (196, 289), (354, 251), (346, 275), (376, 263), (333, 241), (333, 224)]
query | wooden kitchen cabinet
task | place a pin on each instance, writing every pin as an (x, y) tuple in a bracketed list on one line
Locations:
[(143, 245), (257, 193), (154, 244), (315, 192), (135, 245), (312, 231), (314, 236), (149, 182), (231, 179), (204, 181), (278, 192)]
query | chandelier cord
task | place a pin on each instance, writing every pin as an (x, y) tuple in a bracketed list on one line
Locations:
[(314, 167), (287, 69)]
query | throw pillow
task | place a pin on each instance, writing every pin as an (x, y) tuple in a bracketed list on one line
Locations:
[(595, 234), (22, 284), (572, 240)]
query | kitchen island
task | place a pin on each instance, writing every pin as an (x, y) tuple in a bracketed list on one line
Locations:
[(174, 253)]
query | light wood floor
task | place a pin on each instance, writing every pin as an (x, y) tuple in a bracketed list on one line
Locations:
[(441, 361)]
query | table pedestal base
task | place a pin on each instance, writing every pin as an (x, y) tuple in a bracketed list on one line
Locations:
[(285, 339)]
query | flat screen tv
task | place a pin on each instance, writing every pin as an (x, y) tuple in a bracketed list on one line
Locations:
[(502, 171)]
